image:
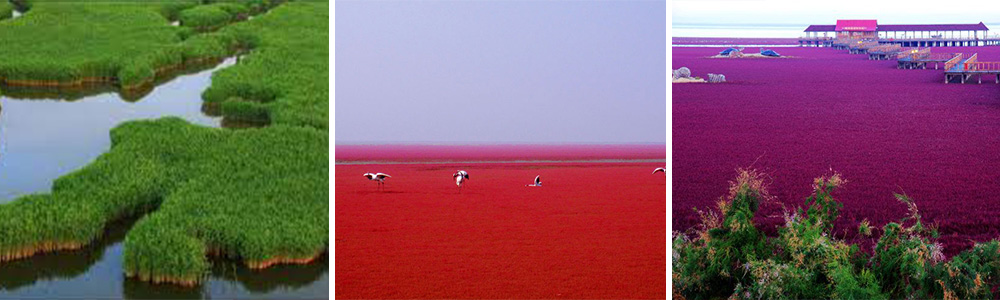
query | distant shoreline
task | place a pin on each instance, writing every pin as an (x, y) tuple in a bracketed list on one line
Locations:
[(477, 162), (383, 154), (740, 41)]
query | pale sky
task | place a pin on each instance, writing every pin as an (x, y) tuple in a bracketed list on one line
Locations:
[(827, 12), (485, 72)]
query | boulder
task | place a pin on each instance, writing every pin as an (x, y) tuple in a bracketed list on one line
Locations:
[(683, 72)]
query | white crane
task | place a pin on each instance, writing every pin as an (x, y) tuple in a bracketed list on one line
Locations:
[(538, 181), (460, 177), (379, 178), (664, 171)]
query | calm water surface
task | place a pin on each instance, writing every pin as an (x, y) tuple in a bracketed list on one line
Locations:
[(45, 134), (43, 137), (95, 272)]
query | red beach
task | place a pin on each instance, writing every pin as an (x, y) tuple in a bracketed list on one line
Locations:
[(886, 130), (595, 229)]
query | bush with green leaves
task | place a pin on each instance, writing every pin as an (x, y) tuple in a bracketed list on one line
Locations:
[(711, 261), (905, 256), (6, 10), (808, 263), (805, 261)]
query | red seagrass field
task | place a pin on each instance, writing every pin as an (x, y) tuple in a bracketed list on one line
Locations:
[(886, 130), (593, 230)]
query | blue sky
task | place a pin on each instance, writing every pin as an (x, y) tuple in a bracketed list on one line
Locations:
[(495, 72)]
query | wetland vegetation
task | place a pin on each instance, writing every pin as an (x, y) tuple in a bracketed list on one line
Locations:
[(258, 196)]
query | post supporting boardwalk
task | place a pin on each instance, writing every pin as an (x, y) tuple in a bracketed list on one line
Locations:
[(967, 68)]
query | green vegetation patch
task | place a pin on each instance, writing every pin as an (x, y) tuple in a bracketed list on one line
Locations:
[(95, 40), (257, 195), (213, 16), (285, 79), (253, 194), (6, 10), (719, 259), (127, 43)]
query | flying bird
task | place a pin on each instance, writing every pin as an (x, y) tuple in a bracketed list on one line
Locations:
[(664, 171), (379, 178), (460, 177), (538, 181)]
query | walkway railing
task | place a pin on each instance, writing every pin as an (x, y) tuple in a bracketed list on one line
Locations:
[(939, 56), (948, 65), (982, 66)]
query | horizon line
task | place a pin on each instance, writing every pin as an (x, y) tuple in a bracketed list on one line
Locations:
[(491, 144)]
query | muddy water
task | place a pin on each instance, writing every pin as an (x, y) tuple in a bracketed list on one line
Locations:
[(45, 134)]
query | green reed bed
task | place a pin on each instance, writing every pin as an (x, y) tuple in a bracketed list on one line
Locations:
[(94, 40), (284, 80), (213, 16), (127, 43), (256, 195)]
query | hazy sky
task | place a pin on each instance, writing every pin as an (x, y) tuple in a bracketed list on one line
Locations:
[(500, 72), (827, 12)]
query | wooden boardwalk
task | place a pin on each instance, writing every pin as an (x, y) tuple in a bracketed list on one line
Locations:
[(957, 67), (965, 69), (861, 47), (884, 52), (919, 59)]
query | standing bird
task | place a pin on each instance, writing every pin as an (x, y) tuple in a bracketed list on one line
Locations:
[(660, 170), (538, 181), (460, 177), (379, 178)]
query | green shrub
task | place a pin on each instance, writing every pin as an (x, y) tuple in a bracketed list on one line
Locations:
[(6, 10), (712, 262), (973, 274), (904, 256)]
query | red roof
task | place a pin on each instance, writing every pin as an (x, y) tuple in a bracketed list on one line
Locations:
[(856, 25)]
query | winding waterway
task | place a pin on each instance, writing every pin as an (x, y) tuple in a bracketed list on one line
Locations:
[(45, 134)]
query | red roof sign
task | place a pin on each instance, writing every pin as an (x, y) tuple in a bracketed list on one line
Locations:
[(856, 25)]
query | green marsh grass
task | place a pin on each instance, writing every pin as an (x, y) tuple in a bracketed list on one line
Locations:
[(284, 79), (213, 16), (256, 195), (126, 43)]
